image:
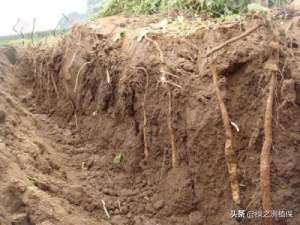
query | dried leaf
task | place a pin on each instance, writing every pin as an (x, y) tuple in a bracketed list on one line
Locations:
[(118, 36), (160, 25), (142, 34)]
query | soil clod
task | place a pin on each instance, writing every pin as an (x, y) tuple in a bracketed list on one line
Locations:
[(21, 219), (2, 116)]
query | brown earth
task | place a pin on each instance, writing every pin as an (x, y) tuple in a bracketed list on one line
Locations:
[(68, 109)]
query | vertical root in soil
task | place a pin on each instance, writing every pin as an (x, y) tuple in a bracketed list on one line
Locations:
[(76, 120), (172, 136), (54, 85), (265, 157), (146, 146), (78, 74), (48, 84), (40, 75), (229, 150), (165, 83), (265, 183)]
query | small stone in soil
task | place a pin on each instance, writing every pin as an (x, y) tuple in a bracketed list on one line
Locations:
[(128, 192), (110, 192), (159, 204), (196, 218), (45, 223), (149, 208), (142, 220), (21, 219), (2, 147), (119, 220)]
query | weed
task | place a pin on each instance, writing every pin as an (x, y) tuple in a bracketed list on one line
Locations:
[(215, 8), (118, 159)]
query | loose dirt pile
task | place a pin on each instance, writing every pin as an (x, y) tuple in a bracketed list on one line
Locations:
[(119, 123)]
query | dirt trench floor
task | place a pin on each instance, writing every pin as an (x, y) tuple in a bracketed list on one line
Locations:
[(36, 165), (72, 125)]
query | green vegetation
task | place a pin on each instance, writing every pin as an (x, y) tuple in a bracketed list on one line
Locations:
[(225, 9), (146, 7), (26, 38), (8, 42), (118, 159)]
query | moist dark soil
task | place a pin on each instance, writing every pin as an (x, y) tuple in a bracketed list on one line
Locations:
[(73, 129)]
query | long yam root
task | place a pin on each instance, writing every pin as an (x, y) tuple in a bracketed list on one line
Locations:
[(265, 157), (172, 136), (165, 82), (229, 150), (146, 147)]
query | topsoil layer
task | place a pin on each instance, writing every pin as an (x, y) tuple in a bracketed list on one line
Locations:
[(78, 113)]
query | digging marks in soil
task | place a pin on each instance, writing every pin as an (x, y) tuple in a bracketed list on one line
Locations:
[(36, 174)]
